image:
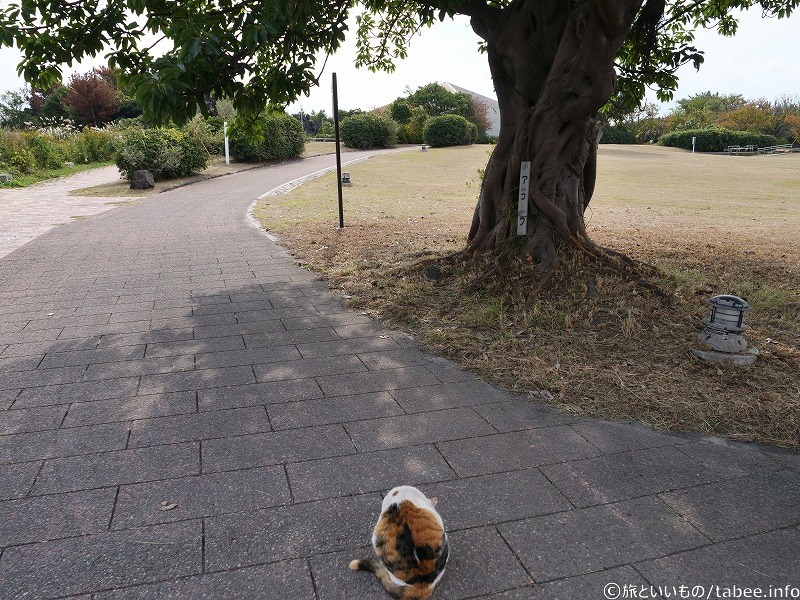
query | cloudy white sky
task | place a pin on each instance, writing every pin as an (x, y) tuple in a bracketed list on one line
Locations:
[(761, 61)]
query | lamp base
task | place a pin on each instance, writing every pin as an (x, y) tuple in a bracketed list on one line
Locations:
[(742, 360)]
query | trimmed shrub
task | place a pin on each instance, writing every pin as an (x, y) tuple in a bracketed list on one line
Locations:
[(167, 153), (716, 139), (413, 131), (401, 111), (283, 138), (618, 135), (449, 130), (367, 130)]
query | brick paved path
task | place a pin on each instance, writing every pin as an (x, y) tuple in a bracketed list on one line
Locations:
[(26, 213), (166, 352)]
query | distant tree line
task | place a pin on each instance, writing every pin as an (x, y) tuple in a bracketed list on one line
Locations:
[(779, 118), (92, 98)]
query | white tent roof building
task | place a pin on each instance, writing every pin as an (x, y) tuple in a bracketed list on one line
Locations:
[(492, 107)]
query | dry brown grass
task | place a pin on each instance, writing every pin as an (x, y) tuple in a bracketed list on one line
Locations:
[(600, 344)]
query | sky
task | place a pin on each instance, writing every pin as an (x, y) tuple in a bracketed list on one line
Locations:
[(761, 61)]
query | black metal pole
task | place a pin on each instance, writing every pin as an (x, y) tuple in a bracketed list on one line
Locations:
[(338, 150)]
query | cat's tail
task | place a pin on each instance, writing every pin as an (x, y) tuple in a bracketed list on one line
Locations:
[(377, 568)]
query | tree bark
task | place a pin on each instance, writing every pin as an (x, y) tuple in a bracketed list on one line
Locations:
[(552, 63)]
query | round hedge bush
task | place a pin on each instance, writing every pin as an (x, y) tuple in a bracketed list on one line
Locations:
[(367, 130), (449, 130), (283, 138), (618, 135), (167, 153), (717, 139)]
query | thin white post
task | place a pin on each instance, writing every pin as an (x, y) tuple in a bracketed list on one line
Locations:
[(227, 147), (694, 141)]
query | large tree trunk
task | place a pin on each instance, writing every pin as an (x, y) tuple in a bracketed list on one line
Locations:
[(552, 63)]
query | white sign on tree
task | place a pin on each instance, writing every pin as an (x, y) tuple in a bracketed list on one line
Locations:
[(522, 208)]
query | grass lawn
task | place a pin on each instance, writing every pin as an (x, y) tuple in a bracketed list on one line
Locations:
[(601, 344), (26, 180)]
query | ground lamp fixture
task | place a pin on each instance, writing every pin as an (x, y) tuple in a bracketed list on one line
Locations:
[(424, 148), (346, 179), (722, 339)]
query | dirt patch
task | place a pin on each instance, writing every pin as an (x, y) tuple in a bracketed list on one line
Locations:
[(600, 344)]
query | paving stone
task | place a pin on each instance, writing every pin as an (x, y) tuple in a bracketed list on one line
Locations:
[(335, 581), (196, 380), (133, 368), (259, 394), (198, 426), (37, 335), (584, 586), (768, 559), (738, 507), (626, 475), (358, 330), (322, 411), (102, 561), (31, 419), (353, 346), (335, 321), (784, 456), (250, 313), (408, 430), (289, 531), (259, 450), (211, 331), (77, 392), (208, 346), (520, 413), (85, 357), (247, 357), (439, 396), (375, 381), (491, 499), (200, 496), (75, 320), (110, 329), (40, 377), (449, 372), (599, 538), (277, 581), (23, 447), (622, 435), (148, 337), (116, 468), (360, 473), (516, 450), (16, 480), (51, 517), (283, 338), (130, 409), (48, 346), (393, 359), (19, 363), (728, 459), (309, 367)]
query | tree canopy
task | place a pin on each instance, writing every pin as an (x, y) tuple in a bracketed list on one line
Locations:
[(175, 54)]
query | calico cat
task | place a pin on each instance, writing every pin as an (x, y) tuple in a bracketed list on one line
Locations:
[(410, 544)]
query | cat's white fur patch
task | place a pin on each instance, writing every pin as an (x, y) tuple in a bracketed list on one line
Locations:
[(413, 495)]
